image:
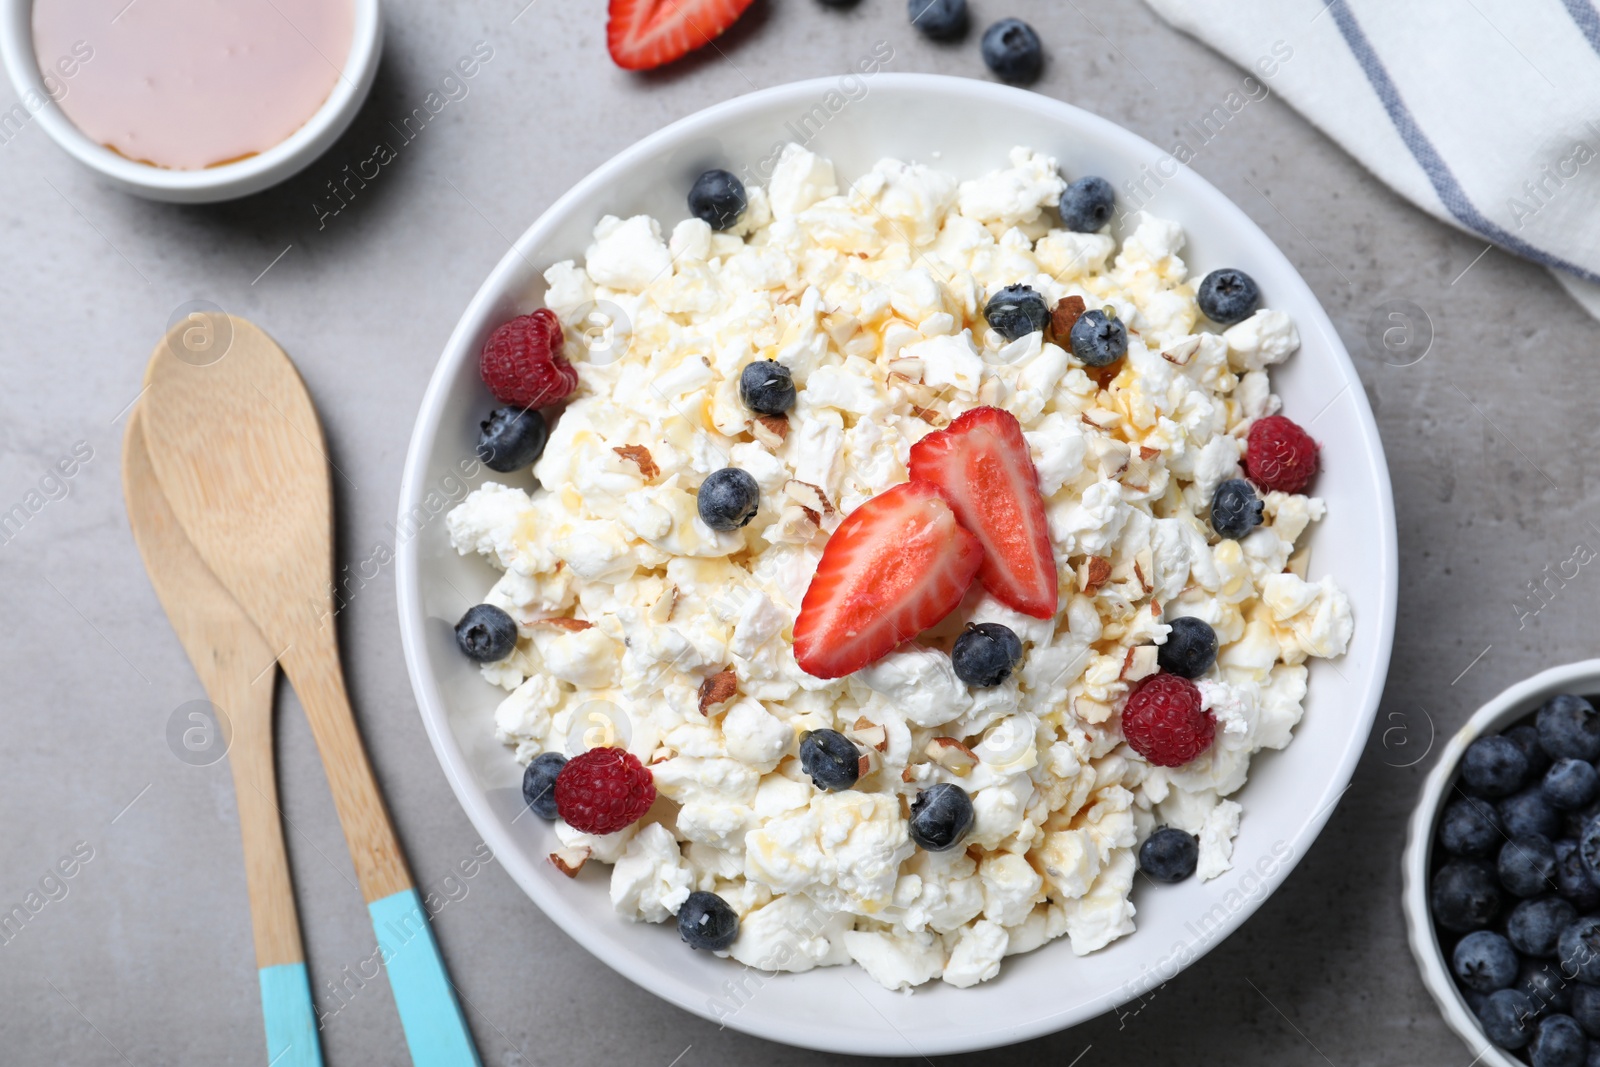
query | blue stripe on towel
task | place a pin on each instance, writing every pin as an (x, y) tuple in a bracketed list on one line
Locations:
[(1427, 156), (1584, 14)]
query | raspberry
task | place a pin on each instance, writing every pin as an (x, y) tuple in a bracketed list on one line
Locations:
[(1164, 723), (1280, 455), (604, 790), (522, 364)]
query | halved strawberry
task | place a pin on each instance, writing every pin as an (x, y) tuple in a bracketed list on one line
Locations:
[(980, 464), (895, 566), (647, 33)]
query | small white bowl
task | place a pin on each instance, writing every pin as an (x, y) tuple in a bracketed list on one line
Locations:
[(1504, 711), (966, 128), (229, 181)]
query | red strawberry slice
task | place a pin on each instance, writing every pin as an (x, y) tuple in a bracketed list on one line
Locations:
[(980, 464), (647, 33), (895, 566)]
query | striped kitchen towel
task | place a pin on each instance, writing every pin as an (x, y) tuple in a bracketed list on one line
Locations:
[(1484, 113)]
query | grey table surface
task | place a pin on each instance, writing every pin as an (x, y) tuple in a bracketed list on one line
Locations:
[(147, 958)]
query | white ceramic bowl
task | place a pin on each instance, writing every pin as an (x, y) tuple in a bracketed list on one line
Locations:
[(965, 127), (1505, 710), (226, 182)]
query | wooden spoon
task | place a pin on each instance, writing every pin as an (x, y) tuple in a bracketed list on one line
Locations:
[(236, 667), (239, 453)]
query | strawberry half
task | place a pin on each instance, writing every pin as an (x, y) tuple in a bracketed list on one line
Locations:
[(895, 566), (642, 34), (980, 464)]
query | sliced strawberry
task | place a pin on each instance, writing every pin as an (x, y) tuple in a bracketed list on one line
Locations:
[(980, 464), (895, 566), (647, 33)]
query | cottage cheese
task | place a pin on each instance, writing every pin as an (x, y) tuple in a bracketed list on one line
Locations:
[(872, 295)]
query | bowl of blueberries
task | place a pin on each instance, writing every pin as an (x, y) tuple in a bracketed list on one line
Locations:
[(1502, 875)]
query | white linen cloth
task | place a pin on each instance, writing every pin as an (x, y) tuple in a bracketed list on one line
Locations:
[(1484, 113)]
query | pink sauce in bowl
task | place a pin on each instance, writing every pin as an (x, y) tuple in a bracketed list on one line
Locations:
[(189, 84)]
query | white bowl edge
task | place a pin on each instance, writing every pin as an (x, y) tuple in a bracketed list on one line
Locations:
[(228, 181), (1514, 703), (500, 296)]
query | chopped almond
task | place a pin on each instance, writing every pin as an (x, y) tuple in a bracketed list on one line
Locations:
[(640, 457), (1101, 418), (570, 625), (770, 430), (868, 733), (1182, 352), (569, 861), (908, 368), (1091, 711), (1140, 663), (1144, 568), (1148, 453), (718, 689), (1097, 569), (661, 610), (1063, 317), (808, 496), (952, 755)]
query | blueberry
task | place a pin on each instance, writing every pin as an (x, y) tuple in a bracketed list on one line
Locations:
[(486, 634), (706, 921), (1016, 311), (1526, 737), (1235, 509), (718, 198), (1529, 813), (1586, 1008), (1464, 895), (1169, 855), (1569, 727), (539, 783), (728, 499), (511, 439), (1593, 1059), (1228, 296), (1527, 865), (767, 387), (940, 817), (1013, 51), (1098, 339), (1087, 204), (1190, 650), (1589, 848), (940, 20), (1573, 881), (1494, 767), (1484, 961), (830, 758), (1546, 987), (1558, 1042), (1535, 924), (1578, 950), (1573, 823), (1507, 1018), (1570, 784), (1470, 827), (985, 654)]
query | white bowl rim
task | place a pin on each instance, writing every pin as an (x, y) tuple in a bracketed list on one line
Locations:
[(211, 183), (1513, 703), (413, 486)]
